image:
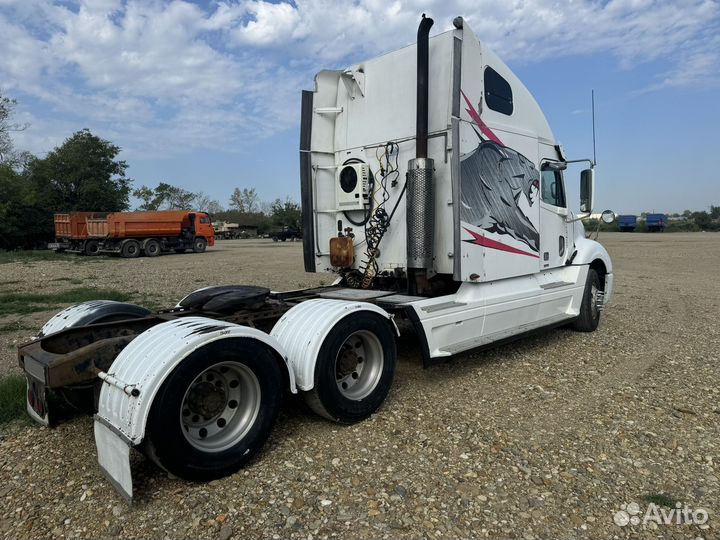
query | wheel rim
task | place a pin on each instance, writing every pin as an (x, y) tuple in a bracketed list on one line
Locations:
[(359, 365), (594, 302), (220, 406)]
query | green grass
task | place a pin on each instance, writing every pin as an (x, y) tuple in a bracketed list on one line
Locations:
[(660, 499), (12, 399), (34, 255), (21, 303), (15, 326)]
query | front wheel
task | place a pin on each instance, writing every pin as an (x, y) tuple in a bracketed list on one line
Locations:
[(215, 410), (355, 369), (199, 245), (589, 317)]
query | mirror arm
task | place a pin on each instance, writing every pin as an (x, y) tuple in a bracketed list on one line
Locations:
[(578, 217), (588, 160)]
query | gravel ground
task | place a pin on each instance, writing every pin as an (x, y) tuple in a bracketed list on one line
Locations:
[(545, 437)]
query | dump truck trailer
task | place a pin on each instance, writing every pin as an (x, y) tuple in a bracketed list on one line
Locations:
[(131, 233), (656, 222), (448, 211), (71, 233), (627, 223)]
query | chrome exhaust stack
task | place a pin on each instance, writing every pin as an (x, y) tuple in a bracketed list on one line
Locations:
[(420, 202)]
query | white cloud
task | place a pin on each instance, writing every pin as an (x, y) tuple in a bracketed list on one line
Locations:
[(161, 76)]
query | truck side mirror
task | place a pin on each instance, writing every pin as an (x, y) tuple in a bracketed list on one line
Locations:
[(587, 190)]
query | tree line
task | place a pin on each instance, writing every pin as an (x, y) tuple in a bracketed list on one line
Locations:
[(85, 174)]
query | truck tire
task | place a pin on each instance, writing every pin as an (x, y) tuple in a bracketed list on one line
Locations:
[(151, 247), (130, 249), (199, 245), (354, 370), (589, 317), (215, 410), (92, 247)]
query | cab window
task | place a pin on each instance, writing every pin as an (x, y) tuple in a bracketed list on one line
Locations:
[(205, 220), (498, 93), (552, 188)]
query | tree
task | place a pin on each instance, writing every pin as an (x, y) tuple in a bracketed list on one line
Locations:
[(165, 197), (81, 174), (179, 199), (286, 213), (245, 201), (214, 208), (148, 198), (8, 155), (714, 212), (204, 203), (702, 219)]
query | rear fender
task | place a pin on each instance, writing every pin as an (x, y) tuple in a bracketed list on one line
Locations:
[(140, 369), (302, 330), (138, 373), (89, 313)]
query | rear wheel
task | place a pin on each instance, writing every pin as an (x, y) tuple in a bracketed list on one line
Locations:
[(130, 249), (151, 247), (355, 369), (589, 317), (199, 245), (215, 410), (92, 247)]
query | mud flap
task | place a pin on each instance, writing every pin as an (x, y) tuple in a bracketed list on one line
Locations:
[(114, 458)]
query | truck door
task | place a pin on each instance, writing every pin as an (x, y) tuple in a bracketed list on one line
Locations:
[(553, 214)]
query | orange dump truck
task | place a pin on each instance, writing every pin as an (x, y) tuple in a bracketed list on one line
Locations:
[(71, 232), (132, 233)]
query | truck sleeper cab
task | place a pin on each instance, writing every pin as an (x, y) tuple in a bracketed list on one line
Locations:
[(502, 239), (449, 212)]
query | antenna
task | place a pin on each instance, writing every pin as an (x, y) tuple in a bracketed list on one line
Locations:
[(592, 97)]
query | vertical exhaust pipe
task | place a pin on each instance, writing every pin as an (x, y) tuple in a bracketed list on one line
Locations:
[(420, 186), (423, 74)]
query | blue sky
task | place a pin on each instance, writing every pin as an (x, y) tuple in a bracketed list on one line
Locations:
[(206, 95)]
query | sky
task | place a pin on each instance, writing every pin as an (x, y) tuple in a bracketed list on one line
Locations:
[(206, 95)]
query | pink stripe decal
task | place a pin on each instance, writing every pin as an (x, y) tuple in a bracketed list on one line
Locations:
[(482, 125), (481, 240)]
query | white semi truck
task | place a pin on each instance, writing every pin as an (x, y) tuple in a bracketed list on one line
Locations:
[(432, 186)]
